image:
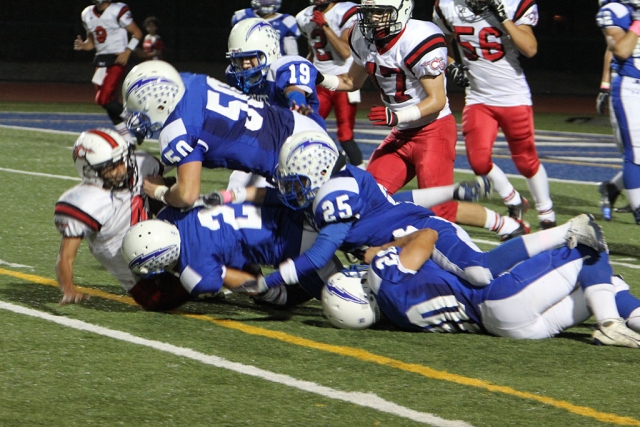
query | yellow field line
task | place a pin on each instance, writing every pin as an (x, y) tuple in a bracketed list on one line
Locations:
[(360, 354)]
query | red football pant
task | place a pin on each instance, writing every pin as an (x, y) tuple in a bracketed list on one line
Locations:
[(427, 153), (480, 128), (108, 91), (344, 110)]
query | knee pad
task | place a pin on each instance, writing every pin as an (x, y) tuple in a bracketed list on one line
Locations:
[(478, 276), (527, 163)]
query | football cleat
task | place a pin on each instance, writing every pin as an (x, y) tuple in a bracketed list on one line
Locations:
[(517, 211), (608, 195), (545, 224), (472, 191), (625, 209), (523, 228), (584, 230), (615, 332)]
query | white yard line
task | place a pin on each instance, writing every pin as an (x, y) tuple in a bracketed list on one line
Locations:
[(368, 400)]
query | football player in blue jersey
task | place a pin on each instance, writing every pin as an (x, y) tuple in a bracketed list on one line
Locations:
[(538, 298), (211, 247), (258, 69), (203, 122), (620, 23), (284, 24), (352, 211)]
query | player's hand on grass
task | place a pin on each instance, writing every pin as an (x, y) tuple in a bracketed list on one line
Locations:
[(72, 296)]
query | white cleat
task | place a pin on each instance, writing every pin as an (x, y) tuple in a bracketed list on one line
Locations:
[(584, 230), (615, 332)]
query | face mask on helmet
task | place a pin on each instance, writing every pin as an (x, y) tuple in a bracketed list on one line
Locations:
[(151, 247), (151, 92), (347, 300), (102, 157), (265, 7), (306, 162), (477, 6), (379, 19), (253, 45)]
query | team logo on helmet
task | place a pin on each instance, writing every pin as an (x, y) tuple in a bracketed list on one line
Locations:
[(80, 152)]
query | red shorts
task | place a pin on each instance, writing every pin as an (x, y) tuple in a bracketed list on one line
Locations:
[(427, 153), (480, 128), (344, 110), (108, 91)]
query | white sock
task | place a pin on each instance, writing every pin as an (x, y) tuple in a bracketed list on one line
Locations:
[(633, 322), (539, 188), (618, 181), (503, 187), (601, 300), (121, 128), (545, 240), (427, 197)]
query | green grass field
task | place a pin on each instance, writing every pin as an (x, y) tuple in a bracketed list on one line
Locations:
[(228, 362)]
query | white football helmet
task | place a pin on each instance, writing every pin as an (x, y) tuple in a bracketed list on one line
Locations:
[(266, 7), (96, 155), (383, 18), (307, 161), (348, 302), (150, 92), (151, 247), (252, 38)]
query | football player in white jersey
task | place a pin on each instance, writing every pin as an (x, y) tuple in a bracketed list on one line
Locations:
[(326, 26), (538, 298), (406, 60), (491, 35), (285, 24), (620, 23), (108, 26), (101, 209)]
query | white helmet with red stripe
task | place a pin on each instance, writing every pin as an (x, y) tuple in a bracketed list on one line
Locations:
[(97, 156), (383, 18)]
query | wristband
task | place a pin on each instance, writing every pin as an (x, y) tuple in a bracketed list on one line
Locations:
[(297, 97), (239, 195), (605, 85), (133, 43), (409, 114), (635, 27), (330, 82), (159, 193)]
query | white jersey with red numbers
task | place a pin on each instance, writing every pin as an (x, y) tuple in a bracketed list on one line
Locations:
[(102, 217), (495, 75), (341, 17), (419, 50), (108, 27)]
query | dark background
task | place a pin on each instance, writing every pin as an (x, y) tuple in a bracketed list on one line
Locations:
[(37, 39)]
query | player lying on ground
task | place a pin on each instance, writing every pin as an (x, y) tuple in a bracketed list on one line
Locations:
[(207, 248), (538, 298), (352, 211)]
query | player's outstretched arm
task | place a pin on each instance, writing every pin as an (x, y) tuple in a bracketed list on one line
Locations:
[(64, 270)]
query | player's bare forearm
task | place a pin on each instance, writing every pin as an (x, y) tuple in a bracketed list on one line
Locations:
[(522, 37)]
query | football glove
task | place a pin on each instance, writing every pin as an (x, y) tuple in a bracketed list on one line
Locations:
[(497, 7), (602, 103), (217, 198), (255, 287), (458, 74), (318, 18), (382, 116)]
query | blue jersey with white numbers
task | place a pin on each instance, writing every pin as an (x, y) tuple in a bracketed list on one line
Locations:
[(619, 15), (223, 128), (353, 196), (231, 236), (430, 299), (284, 24), (288, 70)]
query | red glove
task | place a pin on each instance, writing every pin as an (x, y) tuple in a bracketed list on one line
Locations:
[(382, 116), (318, 18)]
